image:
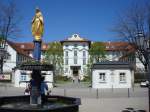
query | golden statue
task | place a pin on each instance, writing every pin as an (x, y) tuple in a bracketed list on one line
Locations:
[(37, 25)]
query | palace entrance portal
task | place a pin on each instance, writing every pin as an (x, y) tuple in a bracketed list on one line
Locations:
[(75, 70)]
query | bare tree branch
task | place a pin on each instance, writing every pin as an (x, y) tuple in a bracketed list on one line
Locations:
[(135, 20), (9, 20)]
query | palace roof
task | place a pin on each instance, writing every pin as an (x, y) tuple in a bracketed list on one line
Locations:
[(75, 38), (24, 47)]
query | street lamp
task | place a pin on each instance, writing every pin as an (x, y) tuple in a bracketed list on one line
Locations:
[(142, 43)]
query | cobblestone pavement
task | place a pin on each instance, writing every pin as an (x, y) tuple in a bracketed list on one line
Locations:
[(93, 100), (113, 104)]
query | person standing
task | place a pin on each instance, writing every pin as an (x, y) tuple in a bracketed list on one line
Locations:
[(27, 90), (34, 92), (73, 79), (44, 88)]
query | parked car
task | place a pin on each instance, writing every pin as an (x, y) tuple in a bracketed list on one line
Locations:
[(132, 110), (144, 84)]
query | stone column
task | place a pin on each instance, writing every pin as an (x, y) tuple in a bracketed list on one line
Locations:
[(35, 97), (37, 50)]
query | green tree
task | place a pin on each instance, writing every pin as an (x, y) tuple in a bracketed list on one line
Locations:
[(97, 53), (54, 55)]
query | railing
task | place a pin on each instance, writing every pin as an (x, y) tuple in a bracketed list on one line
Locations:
[(101, 93)]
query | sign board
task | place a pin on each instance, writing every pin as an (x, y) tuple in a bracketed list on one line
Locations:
[(5, 77)]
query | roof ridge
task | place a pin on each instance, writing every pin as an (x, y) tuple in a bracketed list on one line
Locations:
[(18, 49)]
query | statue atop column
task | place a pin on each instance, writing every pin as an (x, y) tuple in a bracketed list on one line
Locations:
[(37, 25), (37, 32)]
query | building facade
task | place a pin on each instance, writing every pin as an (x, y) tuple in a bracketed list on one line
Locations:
[(18, 55), (76, 56), (115, 50), (112, 75), (22, 78)]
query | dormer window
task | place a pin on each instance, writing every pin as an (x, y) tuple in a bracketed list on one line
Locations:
[(112, 47), (44, 46), (107, 47), (66, 46), (22, 46)]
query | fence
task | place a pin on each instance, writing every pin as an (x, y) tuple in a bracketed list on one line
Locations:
[(101, 93), (84, 92)]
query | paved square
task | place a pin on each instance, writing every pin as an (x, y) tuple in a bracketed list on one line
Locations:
[(108, 100)]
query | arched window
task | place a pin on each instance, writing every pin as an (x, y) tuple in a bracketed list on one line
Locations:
[(84, 54)]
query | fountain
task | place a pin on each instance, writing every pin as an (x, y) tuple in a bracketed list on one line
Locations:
[(33, 103)]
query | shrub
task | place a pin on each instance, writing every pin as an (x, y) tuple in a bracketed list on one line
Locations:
[(87, 78), (61, 78)]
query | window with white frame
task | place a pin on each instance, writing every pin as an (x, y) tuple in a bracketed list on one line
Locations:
[(102, 77), (23, 77), (122, 77), (75, 60), (75, 53), (66, 53), (84, 61), (84, 54), (66, 61)]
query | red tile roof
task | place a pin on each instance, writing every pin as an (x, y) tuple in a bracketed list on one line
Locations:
[(110, 46), (18, 49), (117, 46), (29, 46)]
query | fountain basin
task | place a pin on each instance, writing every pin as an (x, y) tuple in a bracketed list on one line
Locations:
[(53, 104)]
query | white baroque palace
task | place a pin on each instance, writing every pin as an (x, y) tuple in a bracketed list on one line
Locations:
[(76, 56)]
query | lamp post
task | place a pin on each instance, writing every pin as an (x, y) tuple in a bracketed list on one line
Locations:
[(142, 43)]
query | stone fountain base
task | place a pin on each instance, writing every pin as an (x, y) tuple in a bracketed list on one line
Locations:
[(54, 104)]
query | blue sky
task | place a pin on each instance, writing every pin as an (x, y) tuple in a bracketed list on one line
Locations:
[(91, 19)]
